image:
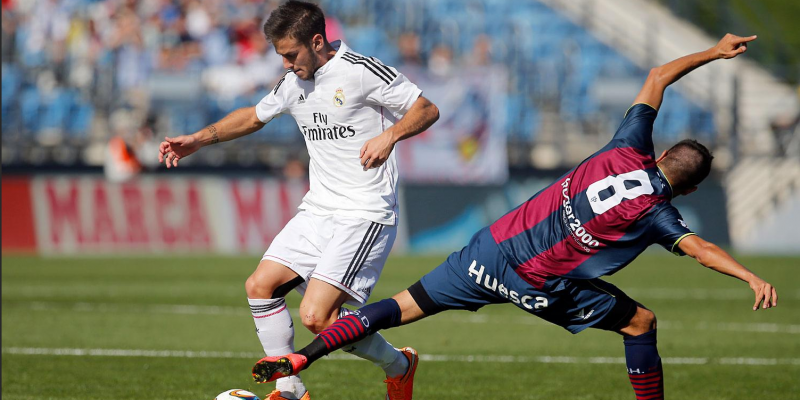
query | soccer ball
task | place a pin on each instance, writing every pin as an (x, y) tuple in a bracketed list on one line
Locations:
[(236, 394)]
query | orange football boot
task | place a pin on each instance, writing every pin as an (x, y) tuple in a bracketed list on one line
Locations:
[(400, 388), (269, 369)]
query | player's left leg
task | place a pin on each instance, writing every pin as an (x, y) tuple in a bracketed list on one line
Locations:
[(577, 304), (352, 328), (619, 313), (322, 306), (641, 355), (348, 269)]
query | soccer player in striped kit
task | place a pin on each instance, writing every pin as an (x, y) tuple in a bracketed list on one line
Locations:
[(351, 110), (546, 256)]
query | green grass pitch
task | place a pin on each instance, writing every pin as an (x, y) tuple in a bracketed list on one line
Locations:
[(179, 328)]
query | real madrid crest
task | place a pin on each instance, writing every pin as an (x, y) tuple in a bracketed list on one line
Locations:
[(338, 98)]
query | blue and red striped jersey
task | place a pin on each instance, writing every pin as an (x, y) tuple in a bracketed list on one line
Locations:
[(598, 217)]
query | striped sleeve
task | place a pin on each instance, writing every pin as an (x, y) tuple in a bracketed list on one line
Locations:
[(274, 102), (383, 85)]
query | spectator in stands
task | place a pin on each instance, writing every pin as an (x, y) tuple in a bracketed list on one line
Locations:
[(440, 63), (408, 45), (9, 29), (481, 54)]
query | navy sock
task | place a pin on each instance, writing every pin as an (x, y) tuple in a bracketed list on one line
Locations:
[(644, 366), (352, 328)]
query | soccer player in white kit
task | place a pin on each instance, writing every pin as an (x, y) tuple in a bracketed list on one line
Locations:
[(351, 110)]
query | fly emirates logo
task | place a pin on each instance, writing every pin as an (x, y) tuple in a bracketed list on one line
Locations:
[(577, 231), (321, 131)]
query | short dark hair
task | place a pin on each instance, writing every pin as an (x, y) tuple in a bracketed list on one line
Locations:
[(297, 20), (688, 162)]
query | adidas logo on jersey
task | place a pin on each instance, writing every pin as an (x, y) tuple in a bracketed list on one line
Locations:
[(301, 100)]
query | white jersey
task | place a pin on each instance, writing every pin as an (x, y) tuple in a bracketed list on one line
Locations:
[(352, 99)]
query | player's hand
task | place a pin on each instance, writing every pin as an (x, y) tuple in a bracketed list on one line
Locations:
[(173, 149), (376, 151), (731, 45), (766, 296)]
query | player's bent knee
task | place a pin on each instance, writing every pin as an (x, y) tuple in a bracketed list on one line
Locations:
[(648, 320), (256, 289), (314, 326), (642, 322), (314, 319)]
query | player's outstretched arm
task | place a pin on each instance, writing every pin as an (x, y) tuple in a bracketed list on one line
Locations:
[(711, 256), (659, 78), (239, 123), (420, 117)]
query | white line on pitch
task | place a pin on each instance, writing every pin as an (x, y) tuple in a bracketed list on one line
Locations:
[(639, 293), (424, 357), (793, 329), (186, 309)]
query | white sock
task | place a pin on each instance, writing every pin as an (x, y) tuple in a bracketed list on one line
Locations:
[(291, 387), (275, 330), (376, 349)]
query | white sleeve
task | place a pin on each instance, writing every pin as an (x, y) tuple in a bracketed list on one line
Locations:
[(272, 104), (385, 86)]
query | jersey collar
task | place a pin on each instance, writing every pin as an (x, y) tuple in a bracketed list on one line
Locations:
[(341, 48), (662, 175)]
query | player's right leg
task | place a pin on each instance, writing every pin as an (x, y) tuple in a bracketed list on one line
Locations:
[(287, 263), (266, 289)]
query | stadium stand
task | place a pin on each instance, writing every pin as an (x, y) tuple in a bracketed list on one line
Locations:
[(76, 66)]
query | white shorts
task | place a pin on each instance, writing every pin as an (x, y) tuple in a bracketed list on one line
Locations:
[(346, 252)]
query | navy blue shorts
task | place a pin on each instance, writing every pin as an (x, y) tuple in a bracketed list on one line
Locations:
[(479, 275)]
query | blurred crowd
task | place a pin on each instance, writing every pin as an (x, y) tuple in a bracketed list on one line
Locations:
[(98, 69), (79, 73), (76, 40), (95, 68)]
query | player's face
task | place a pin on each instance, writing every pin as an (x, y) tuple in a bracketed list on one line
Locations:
[(297, 57)]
